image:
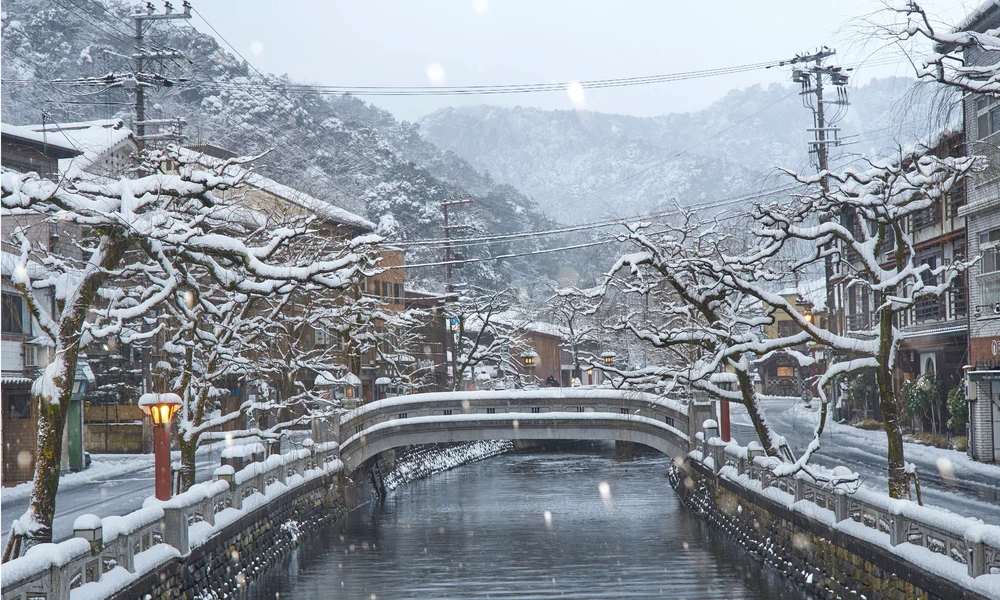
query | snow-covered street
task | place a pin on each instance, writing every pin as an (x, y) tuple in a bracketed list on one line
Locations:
[(970, 488), (115, 484)]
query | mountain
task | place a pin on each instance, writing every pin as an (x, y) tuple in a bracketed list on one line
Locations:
[(588, 164), (337, 148)]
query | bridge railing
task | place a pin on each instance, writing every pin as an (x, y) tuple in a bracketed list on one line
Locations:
[(964, 541), (142, 540), (671, 412), (624, 427)]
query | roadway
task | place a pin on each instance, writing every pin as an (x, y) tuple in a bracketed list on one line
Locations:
[(129, 481), (948, 479)]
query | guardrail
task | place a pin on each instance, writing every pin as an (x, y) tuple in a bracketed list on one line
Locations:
[(964, 541), (117, 550)]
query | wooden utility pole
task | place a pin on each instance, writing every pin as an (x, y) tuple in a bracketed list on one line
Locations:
[(813, 78), (449, 288), (142, 80)]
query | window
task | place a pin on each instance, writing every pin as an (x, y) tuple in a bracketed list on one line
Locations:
[(397, 292), (386, 290), (12, 311), (447, 412), (579, 409), (19, 406), (623, 411), (491, 411), (987, 116), (669, 421), (787, 328), (989, 245), (358, 428), (786, 372), (377, 288), (402, 415), (536, 409)]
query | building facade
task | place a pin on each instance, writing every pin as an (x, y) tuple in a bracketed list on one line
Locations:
[(982, 216)]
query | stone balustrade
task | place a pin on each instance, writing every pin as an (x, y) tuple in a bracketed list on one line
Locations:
[(117, 550), (964, 541)]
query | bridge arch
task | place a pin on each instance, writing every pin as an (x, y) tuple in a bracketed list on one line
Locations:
[(542, 414)]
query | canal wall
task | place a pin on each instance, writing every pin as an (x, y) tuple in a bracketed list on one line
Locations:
[(834, 543), (205, 543)]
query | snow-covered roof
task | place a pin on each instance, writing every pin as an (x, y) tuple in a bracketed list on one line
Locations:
[(92, 139), (813, 291), (974, 18), (321, 208), (30, 134)]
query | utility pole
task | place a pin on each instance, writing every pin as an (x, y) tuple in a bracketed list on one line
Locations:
[(448, 256), (449, 288), (142, 80), (813, 77)]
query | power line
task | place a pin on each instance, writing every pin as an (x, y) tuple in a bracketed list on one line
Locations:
[(503, 238)]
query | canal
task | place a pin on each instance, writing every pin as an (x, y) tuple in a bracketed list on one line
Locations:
[(548, 525)]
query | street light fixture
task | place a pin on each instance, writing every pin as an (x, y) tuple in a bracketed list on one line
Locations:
[(161, 409), (608, 357), (529, 359)]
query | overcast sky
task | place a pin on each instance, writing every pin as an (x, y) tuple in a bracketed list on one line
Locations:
[(488, 42)]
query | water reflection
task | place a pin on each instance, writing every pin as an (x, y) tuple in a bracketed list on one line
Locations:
[(527, 526)]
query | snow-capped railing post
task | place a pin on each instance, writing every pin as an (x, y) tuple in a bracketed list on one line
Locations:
[(800, 489), (175, 528), (89, 528), (976, 555), (208, 510), (897, 528), (698, 412), (841, 506)]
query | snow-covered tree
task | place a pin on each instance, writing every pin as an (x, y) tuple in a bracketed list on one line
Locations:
[(580, 329), (878, 256), (671, 294), (139, 238), (483, 330)]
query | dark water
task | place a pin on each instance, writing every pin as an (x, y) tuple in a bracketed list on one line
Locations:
[(480, 531)]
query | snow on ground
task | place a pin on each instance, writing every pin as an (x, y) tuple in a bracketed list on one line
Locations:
[(961, 464), (104, 466)]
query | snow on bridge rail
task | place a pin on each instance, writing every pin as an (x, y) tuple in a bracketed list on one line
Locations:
[(548, 414)]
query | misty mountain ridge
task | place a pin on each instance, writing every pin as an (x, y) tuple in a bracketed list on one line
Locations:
[(337, 148), (584, 164)]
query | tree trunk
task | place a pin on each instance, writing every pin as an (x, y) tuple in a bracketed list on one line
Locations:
[(48, 462), (188, 448), (894, 436), (752, 404)]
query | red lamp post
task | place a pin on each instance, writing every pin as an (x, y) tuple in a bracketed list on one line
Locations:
[(161, 408)]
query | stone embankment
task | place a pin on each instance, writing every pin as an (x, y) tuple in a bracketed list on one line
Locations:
[(837, 541)]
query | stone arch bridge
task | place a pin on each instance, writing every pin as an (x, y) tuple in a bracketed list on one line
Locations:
[(540, 414)]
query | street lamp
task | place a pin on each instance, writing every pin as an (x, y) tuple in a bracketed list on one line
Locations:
[(529, 359), (608, 357), (161, 409)]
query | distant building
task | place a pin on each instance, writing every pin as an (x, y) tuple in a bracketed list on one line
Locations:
[(982, 225), (780, 373), (24, 150)]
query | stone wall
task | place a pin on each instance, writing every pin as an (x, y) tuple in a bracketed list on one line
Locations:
[(823, 560), (226, 563)]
